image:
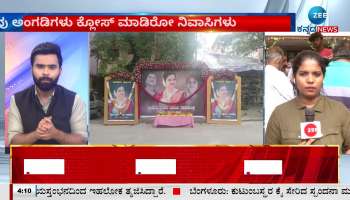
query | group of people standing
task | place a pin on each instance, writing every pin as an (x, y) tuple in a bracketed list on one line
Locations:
[(309, 87)]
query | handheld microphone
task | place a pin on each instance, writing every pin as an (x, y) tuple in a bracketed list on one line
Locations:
[(310, 128), (309, 115)]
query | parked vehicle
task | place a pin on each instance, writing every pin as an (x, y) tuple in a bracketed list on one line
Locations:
[(96, 105)]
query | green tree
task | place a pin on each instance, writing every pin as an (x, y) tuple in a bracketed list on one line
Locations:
[(108, 49), (175, 46), (241, 44)]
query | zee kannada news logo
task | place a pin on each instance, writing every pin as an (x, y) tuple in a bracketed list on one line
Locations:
[(317, 15)]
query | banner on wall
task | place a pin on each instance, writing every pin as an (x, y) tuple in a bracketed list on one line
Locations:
[(172, 90)]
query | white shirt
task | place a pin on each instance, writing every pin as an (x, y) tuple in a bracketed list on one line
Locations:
[(278, 90)]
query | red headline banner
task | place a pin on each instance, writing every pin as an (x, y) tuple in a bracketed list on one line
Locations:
[(188, 23), (247, 164)]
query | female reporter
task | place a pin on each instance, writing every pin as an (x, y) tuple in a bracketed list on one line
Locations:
[(284, 125)]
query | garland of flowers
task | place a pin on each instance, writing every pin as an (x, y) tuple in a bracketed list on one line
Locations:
[(170, 66), (223, 74), (122, 76)]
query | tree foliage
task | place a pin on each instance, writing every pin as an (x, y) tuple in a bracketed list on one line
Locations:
[(109, 48), (241, 43)]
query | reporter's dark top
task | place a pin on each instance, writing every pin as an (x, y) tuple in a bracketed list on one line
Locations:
[(284, 124)]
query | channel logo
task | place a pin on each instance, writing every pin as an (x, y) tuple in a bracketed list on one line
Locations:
[(317, 15)]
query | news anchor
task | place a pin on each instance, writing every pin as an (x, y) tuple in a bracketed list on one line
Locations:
[(46, 113), (332, 117)]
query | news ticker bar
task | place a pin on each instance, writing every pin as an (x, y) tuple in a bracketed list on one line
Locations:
[(148, 23), (177, 191), (174, 164)]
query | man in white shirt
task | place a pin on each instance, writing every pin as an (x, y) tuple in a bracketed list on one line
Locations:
[(278, 88)]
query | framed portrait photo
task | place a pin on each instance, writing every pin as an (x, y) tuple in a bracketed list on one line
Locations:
[(120, 101), (171, 87), (224, 100)]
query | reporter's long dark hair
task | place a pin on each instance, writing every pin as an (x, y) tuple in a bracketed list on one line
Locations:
[(308, 54)]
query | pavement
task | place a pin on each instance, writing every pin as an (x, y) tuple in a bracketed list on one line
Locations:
[(250, 131), (144, 133)]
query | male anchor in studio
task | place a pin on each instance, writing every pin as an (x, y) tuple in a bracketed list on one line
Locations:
[(46, 113)]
